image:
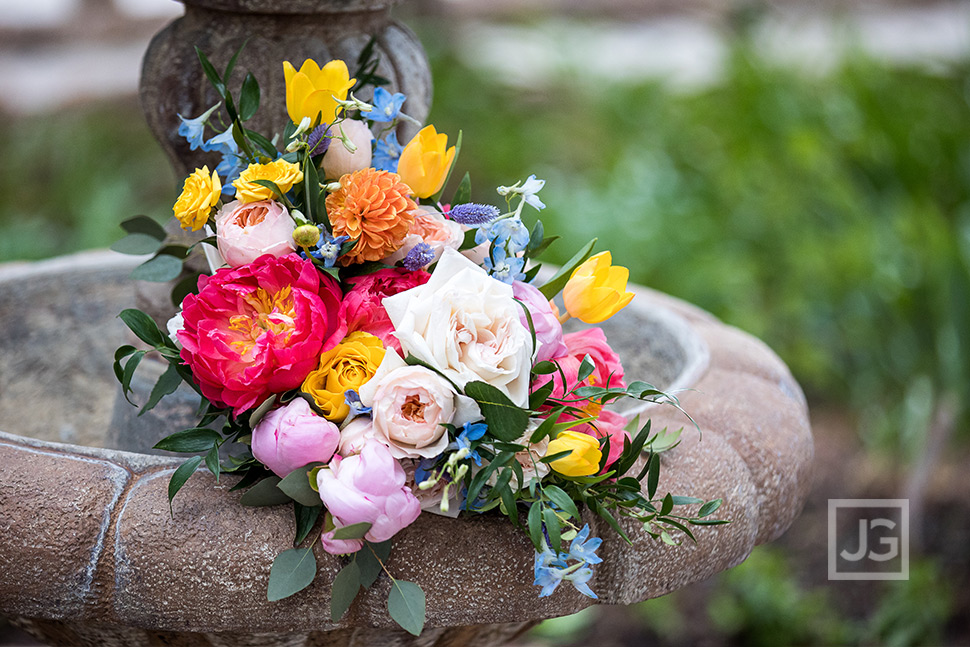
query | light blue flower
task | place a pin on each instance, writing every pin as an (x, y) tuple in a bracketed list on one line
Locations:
[(387, 151), (528, 191), (583, 549), (579, 579), (328, 249), (387, 106), (231, 164), (471, 431), (509, 233), (357, 407), (193, 130), (503, 267)]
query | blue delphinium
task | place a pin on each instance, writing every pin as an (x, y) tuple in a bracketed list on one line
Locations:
[(357, 407), (551, 568), (387, 106), (328, 248), (471, 431), (387, 151), (503, 267), (509, 233), (193, 130), (232, 164)]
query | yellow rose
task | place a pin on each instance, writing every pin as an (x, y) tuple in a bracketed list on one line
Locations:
[(311, 91), (284, 174), (584, 459), (200, 193), (424, 162), (596, 290), (347, 365)]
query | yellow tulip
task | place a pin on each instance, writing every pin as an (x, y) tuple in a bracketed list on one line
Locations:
[(200, 193), (311, 91), (584, 459), (596, 290), (424, 163)]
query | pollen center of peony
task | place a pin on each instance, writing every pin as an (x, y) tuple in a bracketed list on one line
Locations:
[(269, 313)]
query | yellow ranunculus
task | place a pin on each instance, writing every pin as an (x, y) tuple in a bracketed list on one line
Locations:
[(596, 290), (200, 193), (584, 459), (347, 365), (311, 91), (424, 163), (284, 174)]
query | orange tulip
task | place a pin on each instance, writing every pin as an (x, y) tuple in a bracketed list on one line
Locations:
[(597, 290)]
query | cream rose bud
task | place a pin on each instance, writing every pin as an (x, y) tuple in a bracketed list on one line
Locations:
[(338, 161), (410, 405), (354, 435), (248, 230), (466, 325), (432, 228)]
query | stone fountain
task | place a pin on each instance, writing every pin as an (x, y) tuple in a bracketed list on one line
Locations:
[(91, 556)]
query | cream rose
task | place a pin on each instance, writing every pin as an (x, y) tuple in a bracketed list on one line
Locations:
[(410, 405), (432, 228), (466, 325)]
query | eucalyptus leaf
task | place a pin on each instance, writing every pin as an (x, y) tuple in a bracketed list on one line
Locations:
[(136, 244), (293, 570), (144, 225), (264, 493), (406, 604), (369, 560), (353, 531), (158, 269), (296, 485), (346, 585)]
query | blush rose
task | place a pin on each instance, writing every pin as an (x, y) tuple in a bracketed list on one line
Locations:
[(247, 230)]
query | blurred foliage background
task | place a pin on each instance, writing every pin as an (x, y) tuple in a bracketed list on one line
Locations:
[(828, 213)]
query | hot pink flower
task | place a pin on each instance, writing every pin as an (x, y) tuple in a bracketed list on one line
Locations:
[(592, 342), (293, 436), (257, 329), (367, 487), (361, 308)]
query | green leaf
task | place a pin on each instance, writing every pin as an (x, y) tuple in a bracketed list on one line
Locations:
[(143, 326), (296, 485), (586, 368), (311, 190), (158, 269), (369, 560), (212, 462), (535, 526), (653, 475), (469, 241), (346, 585), (667, 505), (558, 281), (686, 500), (211, 74), (553, 527), (129, 371), (463, 193), (264, 144), (180, 476), (538, 397), (196, 439), (248, 97), (353, 531), (665, 440), (546, 427), (136, 244), (544, 368), (269, 185), (144, 225), (505, 420), (186, 285), (535, 237), (264, 493), (232, 61), (405, 603), (293, 570), (562, 500), (167, 383), (709, 508)]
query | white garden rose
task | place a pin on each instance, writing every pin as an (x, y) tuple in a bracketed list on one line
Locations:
[(466, 325)]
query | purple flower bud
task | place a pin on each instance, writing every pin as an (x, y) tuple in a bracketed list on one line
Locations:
[(420, 256), (318, 141), (473, 214)]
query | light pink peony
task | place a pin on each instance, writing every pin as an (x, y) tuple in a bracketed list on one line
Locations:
[(258, 329), (548, 330), (362, 310), (293, 436), (246, 231), (367, 487), (355, 435), (429, 227)]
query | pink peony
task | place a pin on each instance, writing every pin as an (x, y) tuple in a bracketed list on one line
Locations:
[(293, 436), (246, 231), (362, 309), (547, 327), (367, 487), (258, 329), (592, 342)]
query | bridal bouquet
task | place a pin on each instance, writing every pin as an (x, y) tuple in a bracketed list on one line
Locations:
[(368, 352)]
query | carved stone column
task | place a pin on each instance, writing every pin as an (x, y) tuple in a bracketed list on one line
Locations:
[(274, 31)]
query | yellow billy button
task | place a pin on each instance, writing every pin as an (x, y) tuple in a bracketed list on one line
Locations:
[(425, 162), (597, 289), (584, 459), (311, 91)]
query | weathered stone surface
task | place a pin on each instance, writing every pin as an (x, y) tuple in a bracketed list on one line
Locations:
[(55, 510)]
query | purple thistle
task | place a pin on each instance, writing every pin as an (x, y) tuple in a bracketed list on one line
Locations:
[(473, 214), (317, 141), (421, 255)]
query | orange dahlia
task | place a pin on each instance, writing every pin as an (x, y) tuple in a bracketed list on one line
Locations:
[(375, 208)]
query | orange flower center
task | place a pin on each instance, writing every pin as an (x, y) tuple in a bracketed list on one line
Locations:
[(413, 408), (250, 217), (268, 313)]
